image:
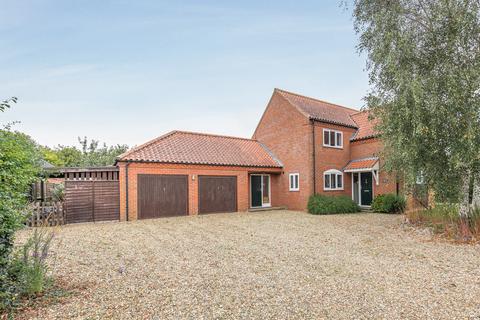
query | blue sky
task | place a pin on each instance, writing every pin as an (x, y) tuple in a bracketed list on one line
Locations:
[(128, 71)]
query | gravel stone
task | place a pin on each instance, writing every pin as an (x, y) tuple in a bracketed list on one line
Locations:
[(266, 265)]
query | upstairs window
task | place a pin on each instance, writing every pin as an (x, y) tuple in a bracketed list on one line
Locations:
[(294, 181), (332, 180), (332, 138)]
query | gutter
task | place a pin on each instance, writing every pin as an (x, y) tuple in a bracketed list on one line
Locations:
[(312, 121)]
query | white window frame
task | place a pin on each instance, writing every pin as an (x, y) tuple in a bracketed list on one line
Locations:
[(264, 205), (337, 146), (296, 182), (336, 173)]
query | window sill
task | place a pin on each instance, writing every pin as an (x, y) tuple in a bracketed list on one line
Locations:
[(333, 189), (294, 190), (332, 147)]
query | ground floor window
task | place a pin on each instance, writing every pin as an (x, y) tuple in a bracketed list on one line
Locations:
[(333, 180), (294, 184)]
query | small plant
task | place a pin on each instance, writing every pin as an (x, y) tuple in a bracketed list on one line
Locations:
[(320, 204), (389, 203), (444, 220), (26, 274), (58, 192), (29, 263)]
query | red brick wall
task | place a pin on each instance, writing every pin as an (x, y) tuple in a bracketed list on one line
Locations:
[(372, 148), (288, 134), (332, 158), (242, 174)]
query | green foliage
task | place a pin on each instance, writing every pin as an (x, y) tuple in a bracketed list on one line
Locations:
[(5, 104), (19, 164), (424, 65), (58, 192), (29, 264), (320, 204), (19, 167), (90, 154), (444, 220), (27, 273), (388, 203), (94, 155)]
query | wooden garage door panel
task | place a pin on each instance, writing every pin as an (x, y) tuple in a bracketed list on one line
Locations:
[(217, 194), (162, 195)]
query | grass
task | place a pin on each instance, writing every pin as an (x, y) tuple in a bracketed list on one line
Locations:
[(445, 221)]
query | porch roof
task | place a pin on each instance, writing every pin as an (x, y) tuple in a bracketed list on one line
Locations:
[(365, 164)]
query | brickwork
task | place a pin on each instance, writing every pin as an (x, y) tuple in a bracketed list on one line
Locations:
[(288, 134), (193, 171)]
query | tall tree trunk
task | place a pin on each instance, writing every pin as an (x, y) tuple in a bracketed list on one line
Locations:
[(464, 196), (476, 191)]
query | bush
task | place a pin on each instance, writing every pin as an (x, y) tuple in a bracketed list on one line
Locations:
[(58, 192), (444, 220), (25, 275), (320, 204), (388, 203)]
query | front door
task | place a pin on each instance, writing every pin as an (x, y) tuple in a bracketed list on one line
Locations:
[(260, 190), (366, 188)]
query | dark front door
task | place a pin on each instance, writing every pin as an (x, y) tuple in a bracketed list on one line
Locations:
[(162, 195), (256, 190), (217, 194), (366, 187)]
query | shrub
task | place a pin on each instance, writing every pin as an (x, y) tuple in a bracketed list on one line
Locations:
[(388, 203), (443, 219), (26, 273), (58, 192), (320, 204), (29, 264)]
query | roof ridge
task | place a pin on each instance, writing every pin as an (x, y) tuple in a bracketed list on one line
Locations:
[(213, 135), (315, 99), (146, 144), (150, 142), (359, 111)]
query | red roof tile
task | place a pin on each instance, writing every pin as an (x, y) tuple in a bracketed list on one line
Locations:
[(320, 110), (366, 126), (200, 148), (366, 163)]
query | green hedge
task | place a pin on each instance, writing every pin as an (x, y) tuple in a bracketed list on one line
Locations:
[(388, 203), (319, 204)]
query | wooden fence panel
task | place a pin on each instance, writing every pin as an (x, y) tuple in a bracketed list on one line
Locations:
[(106, 200), (78, 201), (46, 214), (92, 200)]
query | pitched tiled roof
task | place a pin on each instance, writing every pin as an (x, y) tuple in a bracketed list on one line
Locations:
[(320, 110), (366, 127), (199, 148), (357, 164)]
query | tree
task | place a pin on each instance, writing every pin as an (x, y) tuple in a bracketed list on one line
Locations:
[(5, 104), (423, 59), (19, 166), (90, 154), (93, 155)]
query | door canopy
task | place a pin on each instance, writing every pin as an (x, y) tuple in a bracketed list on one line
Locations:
[(364, 165)]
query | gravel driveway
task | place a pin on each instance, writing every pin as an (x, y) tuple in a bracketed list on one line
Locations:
[(278, 264)]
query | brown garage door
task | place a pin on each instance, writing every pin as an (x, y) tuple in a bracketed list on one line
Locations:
[(162, 195), (217, 194)]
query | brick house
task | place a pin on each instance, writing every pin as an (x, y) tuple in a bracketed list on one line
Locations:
[(301, 146)]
